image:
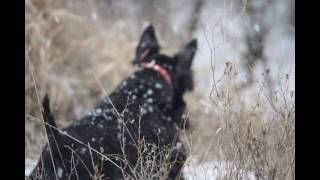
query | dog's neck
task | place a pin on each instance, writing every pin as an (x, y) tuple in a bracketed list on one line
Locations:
[(158, 68)]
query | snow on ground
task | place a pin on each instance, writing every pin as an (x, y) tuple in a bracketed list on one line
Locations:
[(213, 170), (29, 165), (194, 170)]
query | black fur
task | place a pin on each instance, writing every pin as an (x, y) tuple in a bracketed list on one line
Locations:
[(144, 107)]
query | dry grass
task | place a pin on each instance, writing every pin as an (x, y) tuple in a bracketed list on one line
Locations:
[(257, 138), (63, 66), (65, 44)]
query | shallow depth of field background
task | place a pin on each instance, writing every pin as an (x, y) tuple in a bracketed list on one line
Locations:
[(242, 109)]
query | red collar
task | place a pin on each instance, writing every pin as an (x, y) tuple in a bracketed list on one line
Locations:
[(159, 69)]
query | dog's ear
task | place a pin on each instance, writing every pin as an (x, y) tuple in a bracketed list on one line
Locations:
[(186, 54), (148, 45)]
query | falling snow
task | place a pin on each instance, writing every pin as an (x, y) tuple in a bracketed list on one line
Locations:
[(150, 92), (158, 85), (60, 172)]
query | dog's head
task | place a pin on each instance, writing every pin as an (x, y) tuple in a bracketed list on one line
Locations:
[(178, 66)]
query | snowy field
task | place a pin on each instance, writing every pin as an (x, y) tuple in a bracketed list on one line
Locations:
[(212, 170), (194, 170)]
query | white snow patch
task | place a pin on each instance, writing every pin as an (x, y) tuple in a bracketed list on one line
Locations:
[(60, 172), (149, 100), (150, 92), (83, 150), (158, 86), (212, 170), (193, 170), (256, 27), (98, 111), (134, 97), (29, 166), (150, 109)]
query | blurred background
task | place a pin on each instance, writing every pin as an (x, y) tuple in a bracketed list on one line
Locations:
[(244, 70)]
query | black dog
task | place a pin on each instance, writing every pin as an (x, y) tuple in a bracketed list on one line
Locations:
[(143, 111)]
